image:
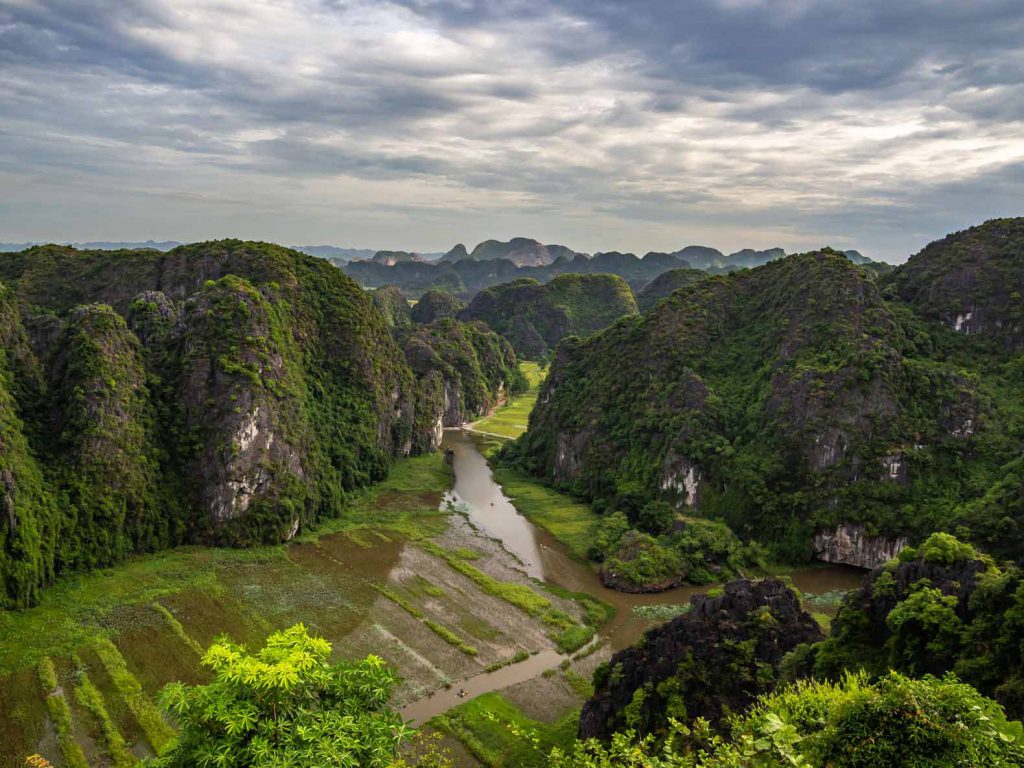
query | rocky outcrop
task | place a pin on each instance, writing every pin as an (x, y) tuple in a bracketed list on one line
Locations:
[(848, 544), (250, 389), (238, 396), (971, 282), (436, 305), (779, 397), (712, 660), (103, 442), (464, 371)]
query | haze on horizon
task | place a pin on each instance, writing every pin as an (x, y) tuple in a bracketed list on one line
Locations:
[(641, 125)]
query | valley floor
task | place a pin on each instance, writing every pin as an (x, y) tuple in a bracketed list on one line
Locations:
[(406, 574)]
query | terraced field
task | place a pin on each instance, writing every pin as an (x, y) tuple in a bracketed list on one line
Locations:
[(399, 576)]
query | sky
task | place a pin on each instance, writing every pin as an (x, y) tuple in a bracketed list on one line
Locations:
[(638, 125)]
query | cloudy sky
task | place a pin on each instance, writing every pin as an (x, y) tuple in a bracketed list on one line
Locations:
[(634, 125)]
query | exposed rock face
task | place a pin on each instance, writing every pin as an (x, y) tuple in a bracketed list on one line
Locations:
[(713, 660), (849, 545), (464, 371), (249, 438), (251, 387), (152, 317), (521, 251)]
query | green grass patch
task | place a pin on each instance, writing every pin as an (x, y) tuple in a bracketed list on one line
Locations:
[(519, 595), (580, 685), (158, 731), (568, 520), (502, 663), (573, 638), (512, 418), (178, 629), (60, 714), (90, 698), (450, 637), (499, 734)]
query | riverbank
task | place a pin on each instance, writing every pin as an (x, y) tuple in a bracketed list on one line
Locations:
[(400, 575)]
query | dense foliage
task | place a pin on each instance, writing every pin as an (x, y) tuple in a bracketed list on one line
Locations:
[(534, 317), (782, 401), (940, 608), (463, 371), (654, 549), (666, 284), (250, 390), (896, 722), (710, 661), (286, 705), (390, 302), (971, 281), (436, 305)]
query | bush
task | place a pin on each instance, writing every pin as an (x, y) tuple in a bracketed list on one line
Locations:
[(285, 705)]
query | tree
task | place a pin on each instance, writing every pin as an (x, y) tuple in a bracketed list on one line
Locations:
[(896, 722), (285, 706)]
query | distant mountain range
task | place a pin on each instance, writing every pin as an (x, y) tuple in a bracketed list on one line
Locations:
[(520, 251), (100, 245)]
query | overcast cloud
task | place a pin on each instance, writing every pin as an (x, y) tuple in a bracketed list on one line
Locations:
[(636, 125)]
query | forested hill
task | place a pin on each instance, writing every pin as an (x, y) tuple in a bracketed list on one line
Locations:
[(792, 398), (225, 392), (536, 317)]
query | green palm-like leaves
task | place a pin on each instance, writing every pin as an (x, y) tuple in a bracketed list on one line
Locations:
[(284, 706)]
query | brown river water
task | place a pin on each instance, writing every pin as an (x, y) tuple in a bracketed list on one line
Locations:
[(476, 494)]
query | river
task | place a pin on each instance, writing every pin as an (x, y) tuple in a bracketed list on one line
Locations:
[(543, 557)]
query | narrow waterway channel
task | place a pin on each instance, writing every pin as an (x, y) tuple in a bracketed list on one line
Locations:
[(543, 557)]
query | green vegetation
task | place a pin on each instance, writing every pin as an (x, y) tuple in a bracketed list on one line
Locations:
[(443, 632), (463, 370), (660, 613), (121, 437), (89, 696), (665, 284), (60, 713), (284, 705), (568, 520), (940, 608), (535, 317), (436, 305), (511, 419), (784, 400), (518, 657), (499, 735), (897, 722), (390, 302), (568, 634), (157, 731)]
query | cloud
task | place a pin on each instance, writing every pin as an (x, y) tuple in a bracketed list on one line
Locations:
[(640, 126)]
